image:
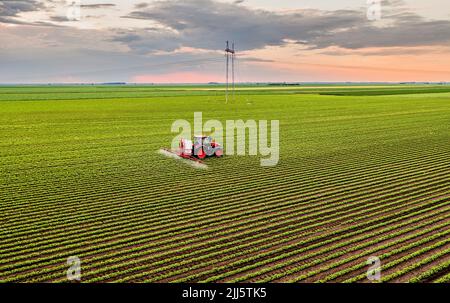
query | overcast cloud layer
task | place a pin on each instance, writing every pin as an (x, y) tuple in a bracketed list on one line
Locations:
[(119, 41)]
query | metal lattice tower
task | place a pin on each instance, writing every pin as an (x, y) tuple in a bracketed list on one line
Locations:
[(230, 55)]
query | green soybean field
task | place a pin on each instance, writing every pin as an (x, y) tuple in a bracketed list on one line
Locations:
[(364, 171)]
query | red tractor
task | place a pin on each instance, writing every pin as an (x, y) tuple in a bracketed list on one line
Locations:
[(200, 148)]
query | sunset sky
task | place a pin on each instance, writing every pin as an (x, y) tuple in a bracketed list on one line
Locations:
[(182, 41)]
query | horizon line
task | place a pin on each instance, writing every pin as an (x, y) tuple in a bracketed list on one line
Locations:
[(223, 83)]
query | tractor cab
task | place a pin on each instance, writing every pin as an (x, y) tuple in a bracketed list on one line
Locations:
[(202, 140)]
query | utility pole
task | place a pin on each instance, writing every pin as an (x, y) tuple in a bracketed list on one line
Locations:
[(230, 56), (232, 67)]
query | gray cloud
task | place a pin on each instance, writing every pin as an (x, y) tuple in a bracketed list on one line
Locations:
[(403, 32), (97, 6), (393, 3), (207, 24), (141, 5), (149, 40), (390, 51), (59, 19), (10, 9)]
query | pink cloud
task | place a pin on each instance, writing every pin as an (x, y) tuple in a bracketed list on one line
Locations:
[(178, 77)]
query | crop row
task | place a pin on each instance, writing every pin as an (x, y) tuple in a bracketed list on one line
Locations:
[(289, 235), (157, 248), (238, 264), (310, 244), (416, 265), (193, 211), (279, 208), (243, 178), (406, 248), (319, 261), (384, 206), (443, 267)]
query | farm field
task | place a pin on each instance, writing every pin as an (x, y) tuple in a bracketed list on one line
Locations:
[(363, 171)]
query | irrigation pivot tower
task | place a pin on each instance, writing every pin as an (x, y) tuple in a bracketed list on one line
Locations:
[(230, 55)]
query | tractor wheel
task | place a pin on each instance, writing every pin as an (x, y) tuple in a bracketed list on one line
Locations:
[(219, 153), (201, 154)]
